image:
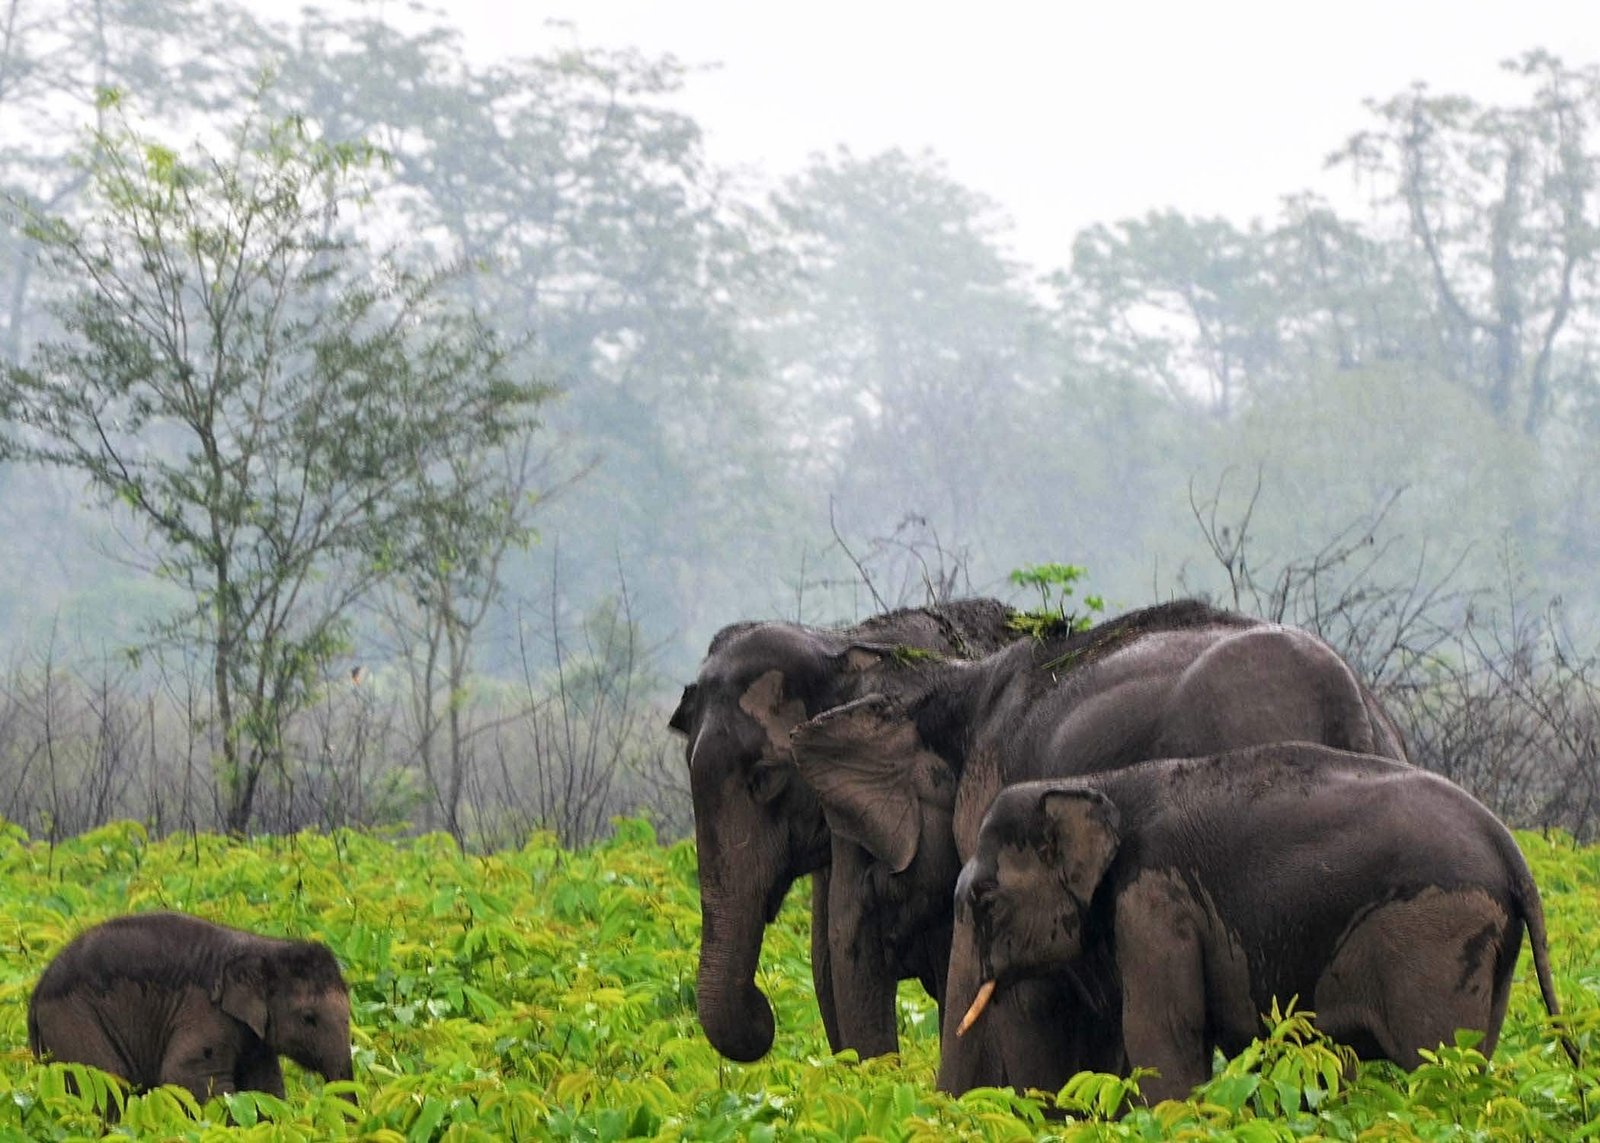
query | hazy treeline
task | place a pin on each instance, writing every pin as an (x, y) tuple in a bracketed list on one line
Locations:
[(565, 749), (834, 391)]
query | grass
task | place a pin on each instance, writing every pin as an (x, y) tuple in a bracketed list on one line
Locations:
[(546, 994)]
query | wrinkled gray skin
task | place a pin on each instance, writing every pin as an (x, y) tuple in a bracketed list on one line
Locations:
[(1191, 894), (163, 998), (905, 773), (757, 827)]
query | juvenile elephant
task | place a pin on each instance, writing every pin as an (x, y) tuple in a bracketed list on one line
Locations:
[(905, 772), (1189, 894), (163, 998), (757, 827)]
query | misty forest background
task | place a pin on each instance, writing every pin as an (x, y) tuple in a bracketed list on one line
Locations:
[(612, 398)]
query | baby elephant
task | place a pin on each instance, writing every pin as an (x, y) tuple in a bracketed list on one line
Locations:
[(166, 998), (1181, 897)]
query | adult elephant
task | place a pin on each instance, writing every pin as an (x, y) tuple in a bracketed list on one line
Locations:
[(757, 827), (906, 772), (167, 998)]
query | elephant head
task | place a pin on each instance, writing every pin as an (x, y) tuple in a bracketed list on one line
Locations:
[(293, 997), (1043, 850), (757, 826)]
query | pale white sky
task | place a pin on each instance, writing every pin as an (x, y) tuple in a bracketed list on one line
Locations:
[(1064, 113)]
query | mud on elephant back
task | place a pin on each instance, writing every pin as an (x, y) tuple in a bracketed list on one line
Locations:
[(163, 998), (758, 828), (1186, 896)]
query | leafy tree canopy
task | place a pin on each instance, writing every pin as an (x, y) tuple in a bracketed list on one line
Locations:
[(273, 408)]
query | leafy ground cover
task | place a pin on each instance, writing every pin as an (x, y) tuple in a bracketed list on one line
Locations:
[(546, 994)]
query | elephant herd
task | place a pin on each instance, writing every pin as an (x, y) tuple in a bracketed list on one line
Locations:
[(1097, 849)]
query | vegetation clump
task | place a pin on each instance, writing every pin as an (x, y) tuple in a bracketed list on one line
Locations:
[(1055, 584)]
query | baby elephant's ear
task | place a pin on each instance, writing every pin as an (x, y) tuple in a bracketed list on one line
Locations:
[(1085, 827), (241, 992)]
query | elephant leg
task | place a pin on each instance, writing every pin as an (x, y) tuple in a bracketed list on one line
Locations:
[(203, 1051), (204, 1078), (72, 1031), (933, 962), (1161, 963), (259, 1070), (864, 984), (1415, 971)]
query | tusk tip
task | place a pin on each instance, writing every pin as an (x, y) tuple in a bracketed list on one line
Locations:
[(979, 1003)]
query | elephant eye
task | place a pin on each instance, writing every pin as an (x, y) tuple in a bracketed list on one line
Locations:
[(768, 779), (310, 1019), (987, 903)]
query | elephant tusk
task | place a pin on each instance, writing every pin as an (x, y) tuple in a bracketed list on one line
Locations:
[(979, 1003)]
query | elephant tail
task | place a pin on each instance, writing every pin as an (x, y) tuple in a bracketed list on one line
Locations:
[(1533, 917)]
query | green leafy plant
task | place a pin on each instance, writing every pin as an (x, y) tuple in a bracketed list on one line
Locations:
[(1056, 584), (544, 993), (283, 415)]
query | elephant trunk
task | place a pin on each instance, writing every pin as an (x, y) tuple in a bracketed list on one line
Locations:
[(962, 1059), (751, 849), (340, 1068), (343, 1069), (734, 1013)]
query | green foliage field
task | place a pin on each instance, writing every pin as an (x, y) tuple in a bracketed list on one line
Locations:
[(543, 994)]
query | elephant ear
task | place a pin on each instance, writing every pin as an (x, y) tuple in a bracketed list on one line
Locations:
[(680, 717), (862, 759), (1084, 827), (859, 657), (766, 701), (241, 992)]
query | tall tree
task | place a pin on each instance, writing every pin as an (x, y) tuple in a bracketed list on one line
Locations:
[(908, 341), (259, 396), (622, 253), (1188, 305), (56, 56), (1499, 201), (470, 510), (187, 59), (1348, 296)]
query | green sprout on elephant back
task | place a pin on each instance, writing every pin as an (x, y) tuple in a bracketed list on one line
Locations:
[(905, 655), (1055, 585)]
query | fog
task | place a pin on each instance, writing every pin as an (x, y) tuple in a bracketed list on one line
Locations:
[(1063, 115), (878, 306)]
